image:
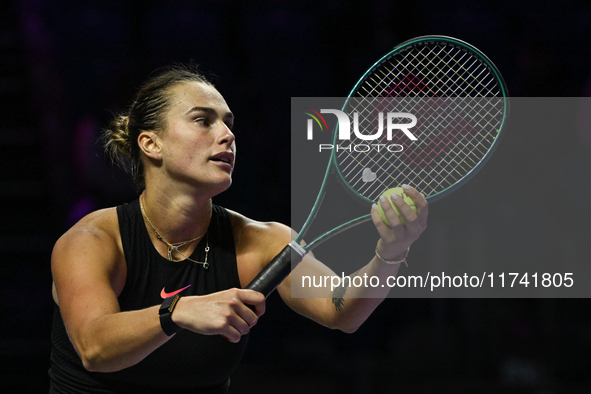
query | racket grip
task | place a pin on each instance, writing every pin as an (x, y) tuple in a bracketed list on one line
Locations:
[(278, 269)]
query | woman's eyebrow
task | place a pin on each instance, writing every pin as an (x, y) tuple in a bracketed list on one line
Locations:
[(210, 111)]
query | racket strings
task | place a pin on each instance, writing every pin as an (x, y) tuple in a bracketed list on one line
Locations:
[(451, 72), (429, 163), (444, 138), (454, 135)]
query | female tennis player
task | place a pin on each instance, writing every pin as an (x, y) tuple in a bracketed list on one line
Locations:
[(150, 295)]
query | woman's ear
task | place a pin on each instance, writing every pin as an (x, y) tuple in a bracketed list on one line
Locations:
[(149, 143)]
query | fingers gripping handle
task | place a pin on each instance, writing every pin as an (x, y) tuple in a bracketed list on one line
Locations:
[(278, 269)]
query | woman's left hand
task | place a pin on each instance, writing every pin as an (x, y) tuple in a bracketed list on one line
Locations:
[(397, 238)]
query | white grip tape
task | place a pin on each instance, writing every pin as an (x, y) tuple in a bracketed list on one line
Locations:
[(298, 248)]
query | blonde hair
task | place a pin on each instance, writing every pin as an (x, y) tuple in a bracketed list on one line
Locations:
[(146, 113)]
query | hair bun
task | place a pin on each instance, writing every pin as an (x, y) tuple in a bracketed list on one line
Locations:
[(116, 139)]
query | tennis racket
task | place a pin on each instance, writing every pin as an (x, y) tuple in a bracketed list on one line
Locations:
[(459, 102)]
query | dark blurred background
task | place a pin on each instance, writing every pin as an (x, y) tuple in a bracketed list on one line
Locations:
[(67, 66)]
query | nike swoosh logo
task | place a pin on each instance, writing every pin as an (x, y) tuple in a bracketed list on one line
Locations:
[(165, 295)]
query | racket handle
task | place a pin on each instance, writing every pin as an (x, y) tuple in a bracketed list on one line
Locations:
[(278, 269)]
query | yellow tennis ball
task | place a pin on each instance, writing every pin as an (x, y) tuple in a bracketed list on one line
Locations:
[(407, 199)]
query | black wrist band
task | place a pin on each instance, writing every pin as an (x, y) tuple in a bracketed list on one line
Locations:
[(168, 326)]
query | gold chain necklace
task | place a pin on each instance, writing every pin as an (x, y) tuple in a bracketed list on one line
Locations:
[(175, 247)]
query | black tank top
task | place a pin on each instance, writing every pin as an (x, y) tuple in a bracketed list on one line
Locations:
[(188, 362)]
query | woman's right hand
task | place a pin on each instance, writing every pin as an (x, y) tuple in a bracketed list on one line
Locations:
[(225, 313)]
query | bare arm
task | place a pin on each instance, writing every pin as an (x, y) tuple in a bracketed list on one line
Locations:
[(346, 308), (87, 269), (89, 273)]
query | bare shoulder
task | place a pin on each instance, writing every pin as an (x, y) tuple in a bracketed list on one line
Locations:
[(91, 249), (249, 233), (256, 243), (100, 226)]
